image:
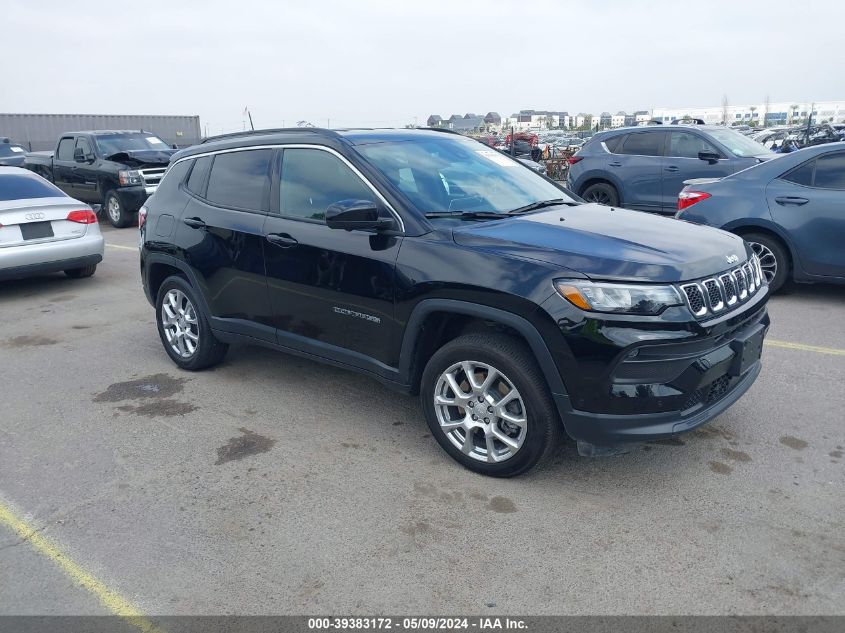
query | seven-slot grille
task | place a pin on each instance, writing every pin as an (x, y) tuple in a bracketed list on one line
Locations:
[(717, 294)]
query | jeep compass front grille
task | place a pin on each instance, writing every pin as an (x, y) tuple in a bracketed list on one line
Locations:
[(713, 296)]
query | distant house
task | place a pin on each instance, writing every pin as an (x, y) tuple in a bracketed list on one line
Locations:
[(605, 120), (435, 120), (471, 124), (493, 118)]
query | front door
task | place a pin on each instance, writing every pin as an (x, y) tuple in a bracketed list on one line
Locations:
[(681, 163), (221, 232), (85, 174), (809, 203), (64, 167), (331, 290)]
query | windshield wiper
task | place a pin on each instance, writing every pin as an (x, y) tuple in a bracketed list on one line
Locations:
[(465, 214), (541, 205)]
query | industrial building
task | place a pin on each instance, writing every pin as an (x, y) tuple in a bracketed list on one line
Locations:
[(39, 132)]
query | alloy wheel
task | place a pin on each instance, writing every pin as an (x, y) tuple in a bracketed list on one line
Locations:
[(480, 411), (179, 322), (113, 209), (599, 197), (768, 261)]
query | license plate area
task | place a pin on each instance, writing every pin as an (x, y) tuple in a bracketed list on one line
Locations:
[(747, 351), (36, 230)]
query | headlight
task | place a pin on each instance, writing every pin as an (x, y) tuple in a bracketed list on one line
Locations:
[(621, 298), (129, 177)]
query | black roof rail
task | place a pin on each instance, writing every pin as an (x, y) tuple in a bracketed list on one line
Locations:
[(688, 121), (248, 133)]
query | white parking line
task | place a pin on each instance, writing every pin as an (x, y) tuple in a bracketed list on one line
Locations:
[(123, 248)]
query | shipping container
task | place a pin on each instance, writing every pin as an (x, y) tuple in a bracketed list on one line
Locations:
[(39, 132)]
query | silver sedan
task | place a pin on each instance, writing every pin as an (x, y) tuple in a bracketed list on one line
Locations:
[(42, 230)]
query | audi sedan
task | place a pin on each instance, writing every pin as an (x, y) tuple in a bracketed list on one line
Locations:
[(42, 230)]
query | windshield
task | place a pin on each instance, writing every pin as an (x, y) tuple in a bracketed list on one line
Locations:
[(738, 144), (8, 149), (114, 143), (454, 174)]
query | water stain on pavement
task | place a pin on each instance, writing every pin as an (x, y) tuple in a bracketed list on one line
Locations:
[(237, 448), (81, 327), (416, 528), (502, 505), (793, 442), (160, 408), (836, 454), (737, 456), (28, 341), (720, 468), (669, 441), (63, 298), (154, 386)]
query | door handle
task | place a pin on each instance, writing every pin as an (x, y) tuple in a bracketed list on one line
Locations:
[(195, 223), (281, 239), (672, 168), (784, 200), (614, 164)]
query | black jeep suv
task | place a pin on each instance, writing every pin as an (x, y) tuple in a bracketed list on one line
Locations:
[(442, 267)]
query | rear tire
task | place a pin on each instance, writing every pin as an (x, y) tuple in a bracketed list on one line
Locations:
[(774, 259), (116, 212), (183, 327), (527, 419), (79, 273), (602, 193)]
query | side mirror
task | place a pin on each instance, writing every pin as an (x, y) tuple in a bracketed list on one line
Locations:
[(355, 214), (79, 155), (710, 157), (174, 146)]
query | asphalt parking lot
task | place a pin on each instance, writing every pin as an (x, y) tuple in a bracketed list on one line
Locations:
[(276, 485)]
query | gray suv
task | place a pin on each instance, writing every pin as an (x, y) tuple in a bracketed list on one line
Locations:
[(645, 168)]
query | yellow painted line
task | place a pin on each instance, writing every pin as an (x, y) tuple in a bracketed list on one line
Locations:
[(110, 599), (806, 348), (123, 248)]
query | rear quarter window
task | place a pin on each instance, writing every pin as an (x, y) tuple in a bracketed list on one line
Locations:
[(22, 187), (614, 142), (830, 171)]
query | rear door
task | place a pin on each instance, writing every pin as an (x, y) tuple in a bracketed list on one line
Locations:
[(220, 231), (681, 162), (637, 164), (328, 287), (809, 203), (64, 167)]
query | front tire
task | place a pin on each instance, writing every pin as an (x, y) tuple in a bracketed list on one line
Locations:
[(602, 193), (116, 212), (774, 260), (183, 327), (487, 404)]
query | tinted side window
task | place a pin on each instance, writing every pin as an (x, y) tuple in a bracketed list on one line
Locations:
[(801, 175), (614, 142), (830, 171), (688, 145), (196, 181), (240, 179), (83, 144), (643, 144), (65, 151), (313, 179)]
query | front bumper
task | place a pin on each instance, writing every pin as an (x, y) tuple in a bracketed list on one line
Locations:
[(133, 198), (635, 381)]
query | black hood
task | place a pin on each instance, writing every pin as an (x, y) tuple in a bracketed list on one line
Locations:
[(143, 156), (609, 243)]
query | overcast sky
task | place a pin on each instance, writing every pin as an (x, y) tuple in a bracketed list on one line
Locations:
[(391, 62)]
